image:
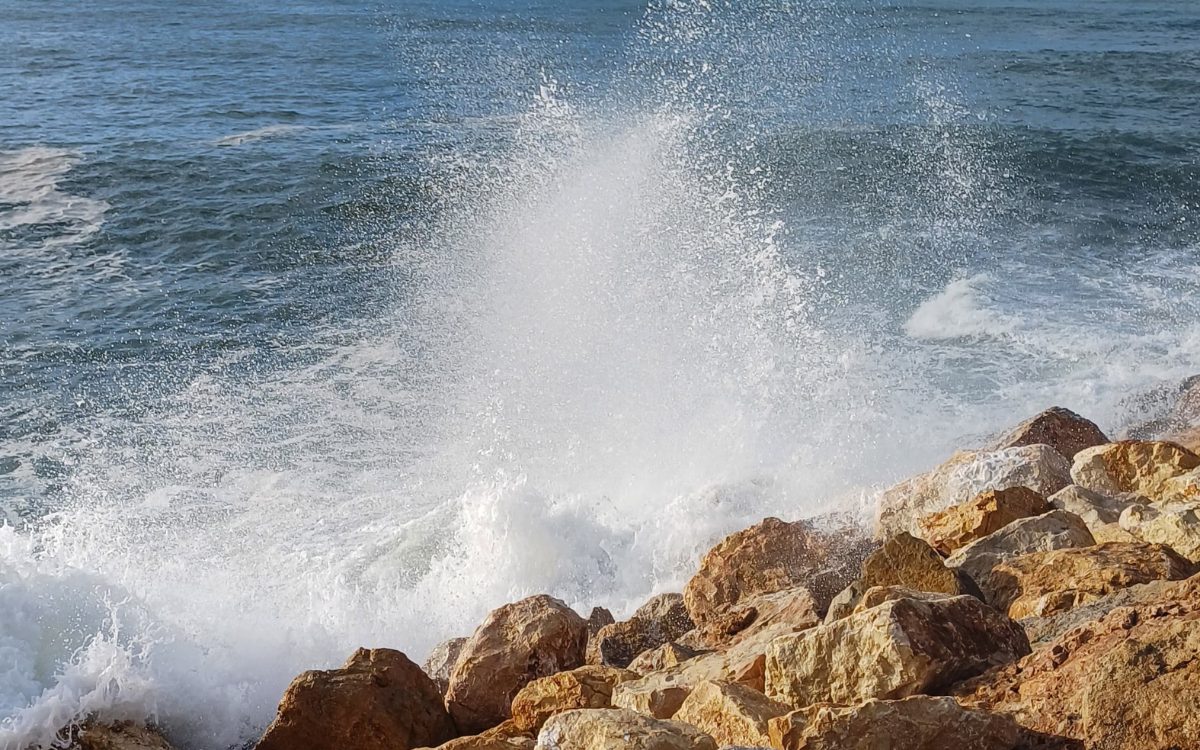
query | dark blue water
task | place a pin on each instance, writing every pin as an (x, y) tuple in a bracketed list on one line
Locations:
[(328, 325)]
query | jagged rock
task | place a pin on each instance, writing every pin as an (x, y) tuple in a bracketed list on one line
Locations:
[(1177, 526), (377, 700), (1182, 490), (791, 609), (1046, 583), (607, 729), (965, 476), (660, 620), (1141, 467), (121, 735), (506, 736), (917, 723), (516, 644), (1097, 509), (902, 561), (730, 713), (664, 657), (589, 686), (1044, 630), (900, 648), (957, 526), (771, 557), (441, 661), (877, 595), (598, 618), (1061, 429), (1050, 531), (1127, 681)]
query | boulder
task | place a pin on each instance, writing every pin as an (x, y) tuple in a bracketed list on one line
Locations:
[(900, 648), (377, 700), (1061, 429), (441, 661), (664, 657), (664, 618), (607, 729), (1188, 437), (1183, 489), (1044, 630), (590, 686), (598, 618), (516, 644), (730, 713), (1050, 531), (1177, 526), (877, 595), (503, 737), (121, 735), (771, 557), (903, 561), (787, 611), (920, 722), (1046, 583), (1127, 681), (965, 476), (1141, 467), (1097, 509), (959, 525)]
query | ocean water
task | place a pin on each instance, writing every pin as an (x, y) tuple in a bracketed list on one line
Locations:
[(326, 325)]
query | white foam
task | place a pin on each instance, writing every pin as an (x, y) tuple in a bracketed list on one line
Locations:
[(962, 309), (29, 196)]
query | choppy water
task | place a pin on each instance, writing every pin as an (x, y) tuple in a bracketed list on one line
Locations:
[(338, 324)]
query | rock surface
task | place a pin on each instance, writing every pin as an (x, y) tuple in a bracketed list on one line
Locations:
[(1061, 429), (503, 737), (957, 526), (900, 648), (664, 657), (589, 686), (121, 735), (441, 661), (606, 729), (1097, 509), (661, 620), (516, 644), (1177, 526), (377, 700), (1141, 467), (730, 713)]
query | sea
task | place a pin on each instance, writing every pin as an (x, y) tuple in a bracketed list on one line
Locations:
[(337, 324)]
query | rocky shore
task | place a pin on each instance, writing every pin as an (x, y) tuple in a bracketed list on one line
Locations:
[(1041, 592)]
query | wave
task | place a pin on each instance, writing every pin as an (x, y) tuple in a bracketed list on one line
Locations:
[(30, 199)]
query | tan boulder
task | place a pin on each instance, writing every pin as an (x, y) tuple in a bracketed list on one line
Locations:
[(1046, 583), (1177, 526), (784, 611), (1098, 510), (920, 722), (1141, 467), (771, 557), (965, 476), (730, 713), (607, 729), (1181, 490), (121, 735), (660, 620), (1050, 531), (1061, 429), (589, 686), (377, 700), (959, 525), (516, 644), (505, 736), (877, 595), (441, 661), (664, 657), (904, 561), (900, 648)]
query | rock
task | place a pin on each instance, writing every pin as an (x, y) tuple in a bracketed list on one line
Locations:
[(517, 644), (1044, 630), (1097, 509), (791, 609), (900, 648), (1061, 429), (903, 561), (664, 618), (441, 661), (598, 618), (730, 713), (590, 686), (877, 595), (771, 557), (965, 476), (1142, 467), (1181, 490), (606, 729), (377, 700), (1050, 531), (664, 657), (121, 735), (1188, 437), (959, 525), (503, 737), (1046, 583), (917, 723), (1177, 526), (1127, 681)]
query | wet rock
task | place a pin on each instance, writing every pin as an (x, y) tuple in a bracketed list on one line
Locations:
[(441, 661), (954, 528), (664, 618), (607, 729), (730, 713), (1046, 583), (1141, 467), (377, 700), (1050, 531), (590, 686), (1177, 526), (121, 735), (598, 618), (517, 644), (1061, 429), (965, 476), (664, 657), (900, 648)]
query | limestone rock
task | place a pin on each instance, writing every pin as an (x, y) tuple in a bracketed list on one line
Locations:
[(877, 595), (121, 735), (1097, 509), (441, 661), (959, 525), (506, 736), (590, 686), (664, 618), (770, 557), (377, 700), (730, 713), (1142, 467), (1061, 429), (920, 722), (1177, 526), (903, 561), (664, 657), (1044, 630), (787, 611), (516, 644), (1046, 583), (1183, 489), (900, 648), (965, 476), (606, 729), (1050, 531)]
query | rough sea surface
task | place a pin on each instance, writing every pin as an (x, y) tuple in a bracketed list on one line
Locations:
[(326, 325)]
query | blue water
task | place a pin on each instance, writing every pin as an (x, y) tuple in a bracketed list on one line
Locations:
[(328, 325)]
